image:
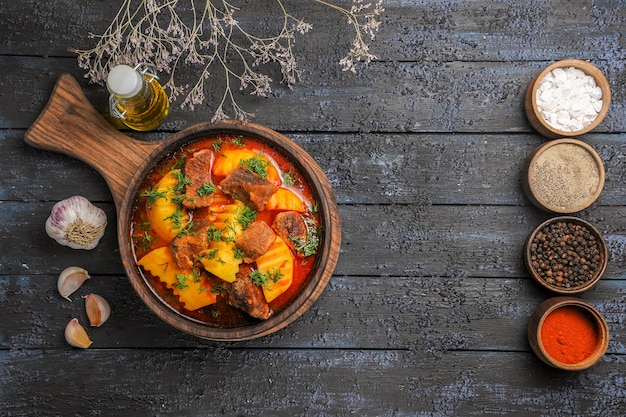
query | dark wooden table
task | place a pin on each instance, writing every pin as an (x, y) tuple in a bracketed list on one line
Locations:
[(426, 313)]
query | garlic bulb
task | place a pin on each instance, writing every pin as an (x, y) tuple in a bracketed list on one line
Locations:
[(70, 280), (76, 223), (98, 309), (76, 335)]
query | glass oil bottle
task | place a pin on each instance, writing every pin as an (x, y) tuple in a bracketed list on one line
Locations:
[(137, 99)]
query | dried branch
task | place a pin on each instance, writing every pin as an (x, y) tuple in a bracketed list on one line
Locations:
[(152, 31)]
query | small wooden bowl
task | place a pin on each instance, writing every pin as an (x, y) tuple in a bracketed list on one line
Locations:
[(563, 176), (530, 101), (602, 248), (546, 308)]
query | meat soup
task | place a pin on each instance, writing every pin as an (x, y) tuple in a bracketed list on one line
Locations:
[(225, 230)]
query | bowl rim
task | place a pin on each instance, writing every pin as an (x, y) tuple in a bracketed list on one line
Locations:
[(529, 186), (327, 256), (532, 110), (560, 290), (545, 309)]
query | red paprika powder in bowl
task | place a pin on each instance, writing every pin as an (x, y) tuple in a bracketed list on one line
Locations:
[(568, 333)]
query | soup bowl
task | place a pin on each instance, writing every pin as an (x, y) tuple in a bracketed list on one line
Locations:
[(70, 125)]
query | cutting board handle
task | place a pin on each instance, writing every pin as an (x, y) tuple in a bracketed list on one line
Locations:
[(69, 124)]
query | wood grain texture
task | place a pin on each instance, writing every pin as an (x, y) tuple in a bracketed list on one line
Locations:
[(303, 383), (427, 310), (432, 314), (455, 30), (451, 97)]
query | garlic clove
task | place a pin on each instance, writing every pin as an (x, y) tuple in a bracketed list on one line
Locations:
[(76, 223), (70, 280), (76, 335), (98, 309)]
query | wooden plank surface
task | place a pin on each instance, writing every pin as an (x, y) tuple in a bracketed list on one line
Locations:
[(426, 312), (434, 314), (321, 382), (450, 97)]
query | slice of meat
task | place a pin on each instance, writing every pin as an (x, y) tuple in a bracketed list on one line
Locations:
[(187, 247), (255, 240), (290, 226), (247, 296), (248, 188), (197, 171)]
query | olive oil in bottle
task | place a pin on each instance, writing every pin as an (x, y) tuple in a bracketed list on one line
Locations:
[(137, 99)]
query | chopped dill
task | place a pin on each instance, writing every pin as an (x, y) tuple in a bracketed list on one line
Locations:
[(146, 241), (217, 289), (153, 194), (144, 226), (206, 189), (237, 141), (229, 232), (181, 180), (164, 265), (307, 247), (196, 275), (181, 281), (217, 145), (255, 165), (245, 216), (238, 253), (180, 162), (176, 218), (259, 278), (289, 179), (186, 230), (178, 199), (213, 234)]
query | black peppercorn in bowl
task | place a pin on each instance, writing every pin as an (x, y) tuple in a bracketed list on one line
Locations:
[(566, 255)]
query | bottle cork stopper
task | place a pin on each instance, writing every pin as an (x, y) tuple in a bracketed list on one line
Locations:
[(124, 81)]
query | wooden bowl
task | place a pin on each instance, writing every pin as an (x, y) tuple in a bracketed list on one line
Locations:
[(70, 125), (532, 110), (563, 176), (566, 357), (531, 260)]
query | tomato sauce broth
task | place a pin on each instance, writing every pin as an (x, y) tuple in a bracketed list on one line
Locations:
[(221, 314)]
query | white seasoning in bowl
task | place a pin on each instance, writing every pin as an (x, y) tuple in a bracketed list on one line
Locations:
[(568, 99)]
